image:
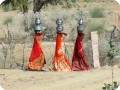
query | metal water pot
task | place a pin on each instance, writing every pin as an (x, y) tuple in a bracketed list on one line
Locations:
[(80, 27), (59, 23), (59, 28), (38, 26), (37, 21)]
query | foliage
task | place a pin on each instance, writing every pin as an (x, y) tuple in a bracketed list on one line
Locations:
[(73, 1), (81, 14), (61, 2), (8, 47), (5, 52), (21, 4), (111, 52), (54, 2), (111, 55), (110, 87), (17, 4), (86, 0), (6, 8), (97, 12), (38, 4), (8, 20), (103, 50), (88, 50), (95, 26)]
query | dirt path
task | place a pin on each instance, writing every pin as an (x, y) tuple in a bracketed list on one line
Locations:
[(28, 80)]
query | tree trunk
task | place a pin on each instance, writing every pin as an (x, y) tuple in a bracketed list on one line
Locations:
[(38, 4), (25, 9)]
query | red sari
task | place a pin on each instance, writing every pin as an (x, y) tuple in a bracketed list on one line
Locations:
[(37, 58), (79, 62), (60, 62)]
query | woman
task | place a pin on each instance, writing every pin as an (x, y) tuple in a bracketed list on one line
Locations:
[(79, 62), (60, 62), (37, 58)]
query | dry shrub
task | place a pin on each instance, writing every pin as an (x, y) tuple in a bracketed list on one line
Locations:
[(97, 12)]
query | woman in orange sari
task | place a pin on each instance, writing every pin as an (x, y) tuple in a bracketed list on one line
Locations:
[(60, 62), (37, 57)]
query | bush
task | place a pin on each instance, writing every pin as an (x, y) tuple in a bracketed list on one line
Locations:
[(103, 51), (8, 20), (88, 51), (86, 0), (95, 26), (110, 87), (73, 1), (6, 8), (97, 12)]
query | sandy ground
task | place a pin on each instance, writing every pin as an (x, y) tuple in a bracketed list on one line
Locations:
[(32, 80)]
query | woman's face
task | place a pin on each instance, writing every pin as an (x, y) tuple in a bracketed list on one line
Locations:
[(63, 37), (41, 36)]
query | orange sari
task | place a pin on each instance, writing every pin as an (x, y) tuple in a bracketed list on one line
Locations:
[(37, 58), (60, 62)]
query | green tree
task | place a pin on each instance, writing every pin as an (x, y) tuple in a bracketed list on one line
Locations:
[(17, 4), (38, 4)]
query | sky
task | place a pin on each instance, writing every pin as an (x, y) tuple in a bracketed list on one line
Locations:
[(118, 1), (1, 1)]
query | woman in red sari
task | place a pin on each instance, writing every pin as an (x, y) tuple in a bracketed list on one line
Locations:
[(37, 57), (60, 62), (79, 61)]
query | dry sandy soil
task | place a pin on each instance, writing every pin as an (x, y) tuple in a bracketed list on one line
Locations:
[(32, 80)]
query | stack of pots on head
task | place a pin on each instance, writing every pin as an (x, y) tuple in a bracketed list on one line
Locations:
[(59, 27), (38, 26), (80, 27)]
